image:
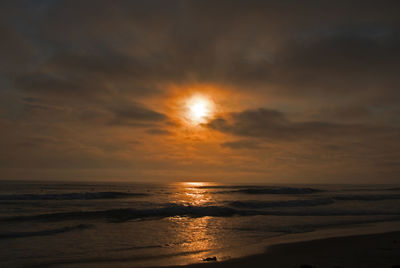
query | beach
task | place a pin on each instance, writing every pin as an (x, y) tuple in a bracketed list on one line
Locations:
[(363, 251)]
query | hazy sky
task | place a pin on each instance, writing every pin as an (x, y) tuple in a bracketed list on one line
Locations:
[(295, 91)]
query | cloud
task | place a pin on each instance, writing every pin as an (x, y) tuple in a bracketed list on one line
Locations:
[(134, 46), (108, 65), (158, 131), (47, 86), (90, 78), (242, 144), (135, 113), (82, 75), (275, 126), (15, 51)]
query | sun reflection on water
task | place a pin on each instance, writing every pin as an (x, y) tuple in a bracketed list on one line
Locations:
[(195, 232), (194, 184), (191, 194)]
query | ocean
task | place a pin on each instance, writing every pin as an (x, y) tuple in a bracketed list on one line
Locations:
[(45, 224)]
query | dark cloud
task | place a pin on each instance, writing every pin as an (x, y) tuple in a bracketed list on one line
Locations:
[(110, 66), (136, 113), (47, 86), (338, 62), (158, 131), (86, 76), (353, 113), (266, 46), (15, 51), (274, 125)]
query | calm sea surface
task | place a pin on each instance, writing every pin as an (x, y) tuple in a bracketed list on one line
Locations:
[(133, 225)]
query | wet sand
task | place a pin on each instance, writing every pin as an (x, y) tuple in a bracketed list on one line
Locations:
[(360, 251)]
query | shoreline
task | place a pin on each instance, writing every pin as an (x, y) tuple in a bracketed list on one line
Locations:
[(376, 250)]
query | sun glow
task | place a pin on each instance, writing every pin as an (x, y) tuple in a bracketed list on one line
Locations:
[(199, 109)]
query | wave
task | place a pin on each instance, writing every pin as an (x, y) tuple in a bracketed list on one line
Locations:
[(137, 248), (71, 196), (253, 189), (305, 228), (274, 190), (288, 203), (94, 262), (173, 210), (367, 197), (45, 232), (130, 213), (393, 189)]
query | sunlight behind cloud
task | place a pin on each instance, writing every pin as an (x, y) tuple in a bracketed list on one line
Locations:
[(199, 109)]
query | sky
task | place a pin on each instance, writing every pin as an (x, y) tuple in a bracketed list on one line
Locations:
[(227, 91)]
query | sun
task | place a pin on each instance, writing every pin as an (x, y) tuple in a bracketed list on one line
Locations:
[(199, 109)]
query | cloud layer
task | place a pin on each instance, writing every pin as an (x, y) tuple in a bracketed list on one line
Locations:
[(311, 89)]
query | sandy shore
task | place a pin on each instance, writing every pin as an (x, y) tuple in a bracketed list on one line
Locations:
[(361, 251)]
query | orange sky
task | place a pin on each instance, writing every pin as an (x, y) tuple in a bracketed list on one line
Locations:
[(290, 96)]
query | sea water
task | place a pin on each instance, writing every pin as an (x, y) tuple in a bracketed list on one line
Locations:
[(46, 224)]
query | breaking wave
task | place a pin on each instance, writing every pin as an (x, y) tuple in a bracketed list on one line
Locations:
[(71, 196), (305, 228), (368, 197), (173, 210), (288, 203), (45, 232), (274, 190)]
